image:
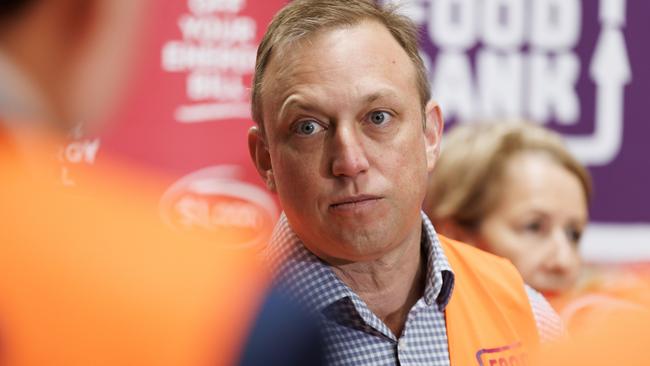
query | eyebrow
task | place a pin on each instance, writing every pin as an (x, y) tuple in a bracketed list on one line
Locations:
[(294, 100), (384, 93), (291, 102)]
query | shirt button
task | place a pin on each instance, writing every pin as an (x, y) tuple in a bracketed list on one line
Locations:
[(401, 344)]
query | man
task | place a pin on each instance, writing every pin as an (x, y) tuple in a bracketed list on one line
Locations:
[(90, 276), (346, 135)]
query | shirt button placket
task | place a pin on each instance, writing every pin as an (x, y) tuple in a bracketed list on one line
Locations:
[(402, 353)]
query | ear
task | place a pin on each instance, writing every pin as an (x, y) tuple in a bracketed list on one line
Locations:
[(434, 125), (259, 151)]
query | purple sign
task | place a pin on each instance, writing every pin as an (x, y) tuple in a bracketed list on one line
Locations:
[(578, 67)]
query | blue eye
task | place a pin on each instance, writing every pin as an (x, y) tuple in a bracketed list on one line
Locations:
[(307, 128), (379, 117)]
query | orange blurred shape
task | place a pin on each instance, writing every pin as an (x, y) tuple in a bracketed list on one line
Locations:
[(93, 278), (620, 338)]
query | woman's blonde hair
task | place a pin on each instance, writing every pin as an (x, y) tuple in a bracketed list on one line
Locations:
[(466, 182)]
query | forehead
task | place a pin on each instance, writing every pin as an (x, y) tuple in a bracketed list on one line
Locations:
[(537, 178), (350, 59)]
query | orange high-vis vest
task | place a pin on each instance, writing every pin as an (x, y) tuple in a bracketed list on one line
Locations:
[(97, 280), (602, 292), (618, 339), (489, 317)]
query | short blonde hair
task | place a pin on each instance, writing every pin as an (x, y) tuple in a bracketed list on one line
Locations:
[(465, 184), (303, 18)]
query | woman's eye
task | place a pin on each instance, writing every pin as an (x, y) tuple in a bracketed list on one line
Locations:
[(574, 235), (533, 227), (307, 128), (379, 117)]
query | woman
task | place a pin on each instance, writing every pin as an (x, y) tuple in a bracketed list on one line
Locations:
[(514, 190)]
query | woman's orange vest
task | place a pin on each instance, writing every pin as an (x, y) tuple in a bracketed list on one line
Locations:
[(489, 318)]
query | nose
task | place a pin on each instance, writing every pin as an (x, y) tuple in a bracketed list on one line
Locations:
[(348, 154), (564, 255)]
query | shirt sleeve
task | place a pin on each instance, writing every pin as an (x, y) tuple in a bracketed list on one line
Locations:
[(549, 325)]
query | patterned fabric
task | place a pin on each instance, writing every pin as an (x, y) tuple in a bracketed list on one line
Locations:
[(549, 324), (356, 336)]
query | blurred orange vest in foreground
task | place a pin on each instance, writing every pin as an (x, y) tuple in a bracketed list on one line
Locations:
[(603, 292), (93, 278), (620, 339), (489, 318)]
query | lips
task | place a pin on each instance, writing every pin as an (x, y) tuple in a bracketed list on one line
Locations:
[(352, 202)]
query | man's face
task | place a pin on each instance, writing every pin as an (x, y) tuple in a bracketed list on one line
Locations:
[(348, 154)]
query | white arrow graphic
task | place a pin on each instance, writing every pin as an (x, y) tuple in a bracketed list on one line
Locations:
[(610, 70)]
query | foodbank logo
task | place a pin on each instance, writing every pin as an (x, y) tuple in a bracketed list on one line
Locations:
[(532, 60)]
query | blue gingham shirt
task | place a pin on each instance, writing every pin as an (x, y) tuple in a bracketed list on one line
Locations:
[(353, 334)]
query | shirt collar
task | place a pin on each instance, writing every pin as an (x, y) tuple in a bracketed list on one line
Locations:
[(314, 283), (440, 277)]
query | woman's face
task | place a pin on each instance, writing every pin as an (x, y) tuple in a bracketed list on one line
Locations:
[(538, 222)]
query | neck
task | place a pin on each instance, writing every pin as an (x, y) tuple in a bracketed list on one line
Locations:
[(389, 285)]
